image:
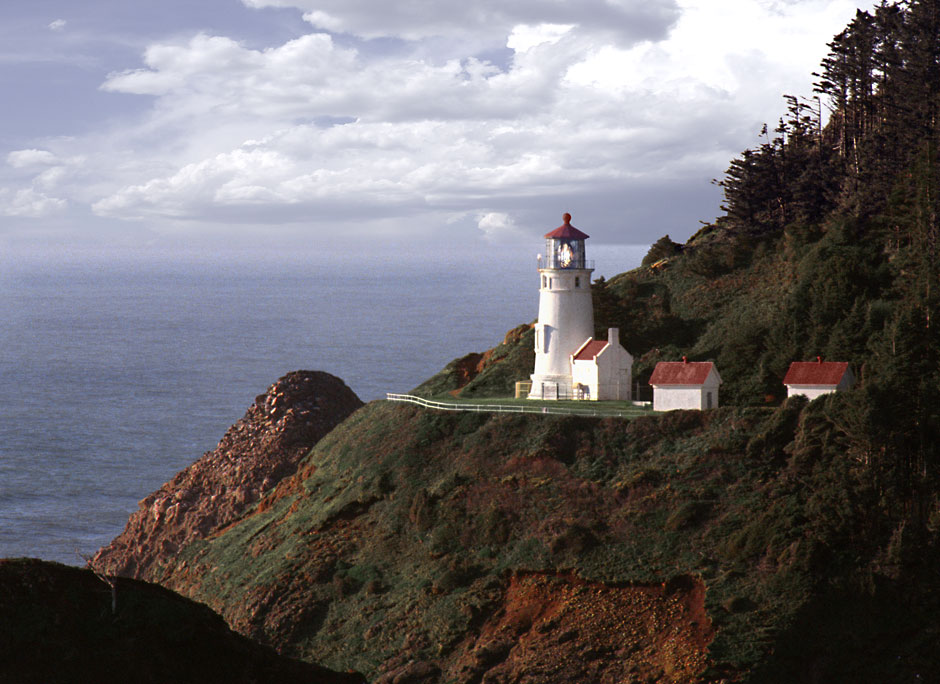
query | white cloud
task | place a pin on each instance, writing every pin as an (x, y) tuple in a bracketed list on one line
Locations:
[(51, 177), (497, 227), (19, 159), (312, 77), (367, 168), (527, 36), (28, 203), (629, 122), (750, 51), (454, 135), (57, 25)]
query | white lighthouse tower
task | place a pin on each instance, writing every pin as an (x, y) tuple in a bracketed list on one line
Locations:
[(566, 313)]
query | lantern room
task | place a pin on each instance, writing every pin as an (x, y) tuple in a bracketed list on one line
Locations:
[(564, 247)]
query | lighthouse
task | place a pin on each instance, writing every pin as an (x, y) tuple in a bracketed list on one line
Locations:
[(569, 362), (566, 314)]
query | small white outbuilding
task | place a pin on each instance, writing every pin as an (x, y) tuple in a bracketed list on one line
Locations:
[(602, 371), (685, 385), (815, 378)]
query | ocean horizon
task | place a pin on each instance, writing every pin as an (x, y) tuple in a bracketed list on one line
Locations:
[(119, 372)]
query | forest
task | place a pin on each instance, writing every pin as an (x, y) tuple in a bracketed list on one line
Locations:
[(870, 180), (830, 225)]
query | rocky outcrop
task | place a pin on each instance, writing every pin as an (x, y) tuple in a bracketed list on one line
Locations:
[(60, 624), (255, 454)]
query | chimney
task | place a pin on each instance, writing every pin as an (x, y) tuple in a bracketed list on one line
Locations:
[(818, 359), (685, 359), (613, 336)]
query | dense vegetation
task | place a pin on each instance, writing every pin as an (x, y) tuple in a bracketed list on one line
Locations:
[(842, 221), (400, 536), (827, 247)]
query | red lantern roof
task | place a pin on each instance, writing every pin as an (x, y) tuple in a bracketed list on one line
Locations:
[(566, 231)]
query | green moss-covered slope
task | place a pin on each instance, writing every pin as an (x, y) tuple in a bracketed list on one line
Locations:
[(401, 529)]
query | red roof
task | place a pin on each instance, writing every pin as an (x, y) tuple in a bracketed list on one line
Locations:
[(590, 350), (681, 372), (815, 373), (567, 231)]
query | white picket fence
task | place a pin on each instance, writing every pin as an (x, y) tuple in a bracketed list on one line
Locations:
[(514, 408)]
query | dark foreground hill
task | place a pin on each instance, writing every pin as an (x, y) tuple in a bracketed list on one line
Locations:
[(62, 625)]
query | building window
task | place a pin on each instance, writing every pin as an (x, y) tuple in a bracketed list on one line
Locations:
[(549, 283), (577, 281), (543, 281)]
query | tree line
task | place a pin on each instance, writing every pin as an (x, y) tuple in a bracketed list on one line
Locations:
[(853, 172)]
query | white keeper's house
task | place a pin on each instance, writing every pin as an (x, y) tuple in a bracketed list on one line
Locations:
[(685, 385), (815, 378), (569, 362)]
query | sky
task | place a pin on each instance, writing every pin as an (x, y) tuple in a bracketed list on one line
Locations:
[(391, 126)]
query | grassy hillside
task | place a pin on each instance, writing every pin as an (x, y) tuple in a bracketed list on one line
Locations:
[(400, 536)]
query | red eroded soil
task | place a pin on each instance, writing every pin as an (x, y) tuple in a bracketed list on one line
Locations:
[(558, 628)]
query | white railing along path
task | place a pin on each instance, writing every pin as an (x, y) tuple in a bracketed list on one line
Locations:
[(509, 408)]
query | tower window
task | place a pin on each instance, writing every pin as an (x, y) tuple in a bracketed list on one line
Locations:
[(543, 281), (577, 281), (549, 283)]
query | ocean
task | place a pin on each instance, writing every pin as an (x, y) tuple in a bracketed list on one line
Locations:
[(116, 373)]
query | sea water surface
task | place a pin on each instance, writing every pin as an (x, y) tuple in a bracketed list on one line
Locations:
[(117, 373)]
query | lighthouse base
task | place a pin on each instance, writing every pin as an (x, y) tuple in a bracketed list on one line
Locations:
[(551, 387)]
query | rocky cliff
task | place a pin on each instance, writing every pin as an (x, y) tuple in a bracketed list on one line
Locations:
[(737, 544), (420, 546), (256, 453), (408, 546)]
